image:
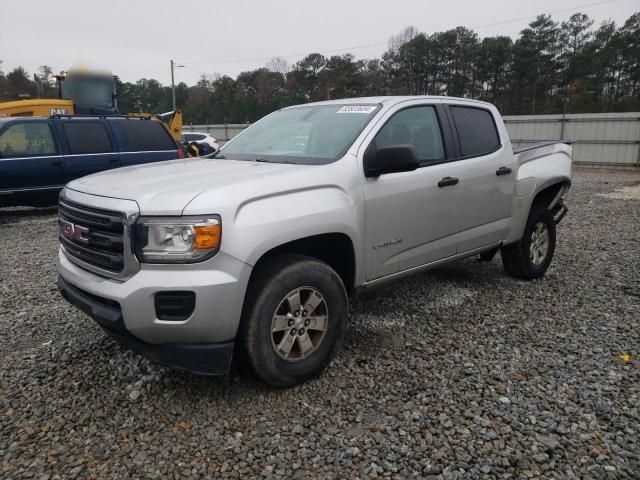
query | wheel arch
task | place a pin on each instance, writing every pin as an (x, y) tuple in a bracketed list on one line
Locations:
[(547, 194), (550, 194), (335, 249)]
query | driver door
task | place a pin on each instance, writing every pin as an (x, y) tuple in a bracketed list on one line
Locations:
[(30, 158), (407, 219)]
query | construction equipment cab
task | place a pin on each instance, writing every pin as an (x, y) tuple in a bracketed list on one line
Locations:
[(79, 92), (92, 93)]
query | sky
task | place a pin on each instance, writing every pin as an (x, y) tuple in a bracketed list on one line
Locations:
[(138, 38)]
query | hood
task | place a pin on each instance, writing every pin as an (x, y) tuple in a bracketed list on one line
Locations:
[(166, 188)]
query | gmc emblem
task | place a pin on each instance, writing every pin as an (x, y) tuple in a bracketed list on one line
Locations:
[(75, 232)]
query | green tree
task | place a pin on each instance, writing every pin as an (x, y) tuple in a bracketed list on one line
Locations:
[(45, 74), (408, 66), (4, 85), (375, 78), (535, 61), (341, 77), (494, 67), (573, 63), (629, 42), (303, 79), (20, 84)]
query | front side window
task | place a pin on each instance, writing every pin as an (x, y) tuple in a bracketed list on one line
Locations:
[(308, 135), (476, 130), (27, 140), (417, 126), (87, 137)]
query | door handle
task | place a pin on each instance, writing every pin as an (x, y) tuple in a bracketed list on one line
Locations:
[(57, 163), (503, 171), (447, 181), (114, 160)]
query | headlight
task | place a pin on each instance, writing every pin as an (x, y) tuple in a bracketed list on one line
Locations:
[(177, 239)]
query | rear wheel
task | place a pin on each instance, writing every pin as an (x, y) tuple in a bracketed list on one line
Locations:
[(294, 319), (530, 257)]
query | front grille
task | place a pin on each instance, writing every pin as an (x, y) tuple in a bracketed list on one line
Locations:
[(100, 242)]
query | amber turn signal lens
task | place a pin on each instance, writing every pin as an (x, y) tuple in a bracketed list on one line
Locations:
[(206, 237)]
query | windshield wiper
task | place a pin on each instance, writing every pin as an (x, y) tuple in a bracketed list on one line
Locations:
[(264, 160)]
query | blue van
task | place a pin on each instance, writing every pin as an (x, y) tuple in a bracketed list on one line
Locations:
[(39, 155)]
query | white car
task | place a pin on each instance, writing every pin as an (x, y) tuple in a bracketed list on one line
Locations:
[(201, 138)]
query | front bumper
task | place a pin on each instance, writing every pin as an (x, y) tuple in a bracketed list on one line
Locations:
[(203, 359), (202, 343)]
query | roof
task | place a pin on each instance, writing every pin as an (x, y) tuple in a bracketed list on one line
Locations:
[(4, 120), (392, 99)]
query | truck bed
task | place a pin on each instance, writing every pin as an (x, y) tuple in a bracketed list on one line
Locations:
[(541, 143), (537, 150)]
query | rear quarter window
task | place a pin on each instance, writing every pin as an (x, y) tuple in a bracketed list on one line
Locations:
[(146, 135), (476, 130)]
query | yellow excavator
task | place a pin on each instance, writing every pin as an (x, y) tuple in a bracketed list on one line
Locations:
[(82, 92)]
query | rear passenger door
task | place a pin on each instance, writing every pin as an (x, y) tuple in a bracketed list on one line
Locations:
[(30, 157), (90, 147), (485, 170), (144, 141)]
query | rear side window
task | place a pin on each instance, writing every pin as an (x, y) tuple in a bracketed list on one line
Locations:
[(476, 130), (27, 140), (87, 137), (145, 135), (192, 137)]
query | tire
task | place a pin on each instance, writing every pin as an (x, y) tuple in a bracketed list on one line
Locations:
[(521, 259), (283, 344)]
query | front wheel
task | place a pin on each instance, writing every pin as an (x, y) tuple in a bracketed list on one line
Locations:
[(294, 319), (530, 257)]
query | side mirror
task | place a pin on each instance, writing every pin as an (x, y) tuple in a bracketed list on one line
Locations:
[(389, 159)]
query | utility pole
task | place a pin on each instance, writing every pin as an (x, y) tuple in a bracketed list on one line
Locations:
[(173, 84)]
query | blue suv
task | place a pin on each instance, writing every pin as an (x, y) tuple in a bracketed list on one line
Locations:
[(39, 155)]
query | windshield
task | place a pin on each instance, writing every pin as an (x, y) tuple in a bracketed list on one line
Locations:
[(310, 135), (88, 91)]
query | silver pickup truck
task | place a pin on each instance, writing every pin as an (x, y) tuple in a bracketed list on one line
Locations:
[(257, 250)]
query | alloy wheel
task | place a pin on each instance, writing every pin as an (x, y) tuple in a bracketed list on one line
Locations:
[(299, 324), (539, 245)]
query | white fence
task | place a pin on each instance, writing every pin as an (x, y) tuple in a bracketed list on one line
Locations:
[(604, 139), (222, 133)]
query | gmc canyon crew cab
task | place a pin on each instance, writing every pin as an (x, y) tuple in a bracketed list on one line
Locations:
[(258, 249)]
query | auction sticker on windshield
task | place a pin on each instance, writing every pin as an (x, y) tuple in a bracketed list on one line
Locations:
[(357, 109)]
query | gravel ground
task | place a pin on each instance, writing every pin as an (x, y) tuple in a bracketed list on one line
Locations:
[(459, 372)]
